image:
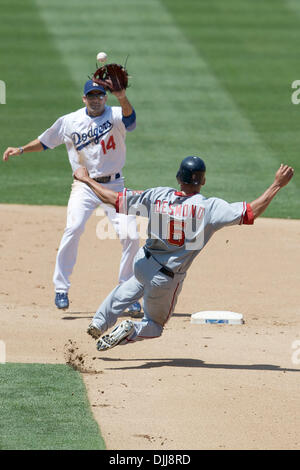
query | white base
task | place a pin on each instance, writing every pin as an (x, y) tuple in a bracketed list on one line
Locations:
[(218, 317)]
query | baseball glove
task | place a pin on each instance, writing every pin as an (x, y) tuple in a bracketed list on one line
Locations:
[(112, 77)]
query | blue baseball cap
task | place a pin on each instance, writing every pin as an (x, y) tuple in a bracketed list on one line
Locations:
[(90, 85)]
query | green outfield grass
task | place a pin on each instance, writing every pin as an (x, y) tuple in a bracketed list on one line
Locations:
[(45, 407), (210, 78)]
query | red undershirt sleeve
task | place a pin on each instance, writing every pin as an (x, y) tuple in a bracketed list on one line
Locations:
[(248, 218)]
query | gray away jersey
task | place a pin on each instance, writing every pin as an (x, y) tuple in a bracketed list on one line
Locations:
[(181, 225)]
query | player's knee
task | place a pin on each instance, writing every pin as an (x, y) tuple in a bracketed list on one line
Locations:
[(147, 329), (75, 228)]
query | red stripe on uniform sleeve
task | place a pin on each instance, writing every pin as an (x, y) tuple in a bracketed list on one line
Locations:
[(121, 202), (120, 196), (248, 218)]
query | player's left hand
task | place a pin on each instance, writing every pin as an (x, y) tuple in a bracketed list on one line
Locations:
[(81, 174), (284, 175), (112, 77)]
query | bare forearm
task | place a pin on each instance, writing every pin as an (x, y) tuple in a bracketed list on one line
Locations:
[(33, 146), (125, 104), (260, 204), (126, 107), (106, 195), (283, 176)]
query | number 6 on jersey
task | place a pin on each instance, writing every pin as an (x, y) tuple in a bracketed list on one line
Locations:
[(176, 235)]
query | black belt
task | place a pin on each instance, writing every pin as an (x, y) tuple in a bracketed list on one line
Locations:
[(106, 179), (163, 269)]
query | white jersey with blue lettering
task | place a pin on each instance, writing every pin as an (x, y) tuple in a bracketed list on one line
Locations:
[(98, 143), (180, 225)]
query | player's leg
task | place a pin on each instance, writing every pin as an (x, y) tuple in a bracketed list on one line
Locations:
[(156, 314), (129, 331), (126, 229), (82, 203), (114, 305), (161, 289), (160, 296)]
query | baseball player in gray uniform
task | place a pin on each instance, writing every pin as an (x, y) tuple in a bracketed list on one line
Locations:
[(94, 137), (180, 225)]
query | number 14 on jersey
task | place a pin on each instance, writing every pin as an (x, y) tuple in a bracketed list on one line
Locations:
[(110, 144)]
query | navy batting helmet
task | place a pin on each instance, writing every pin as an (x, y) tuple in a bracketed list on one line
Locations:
[(191, 170)]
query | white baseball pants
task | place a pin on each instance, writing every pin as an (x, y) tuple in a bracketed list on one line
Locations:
[(82, 203)]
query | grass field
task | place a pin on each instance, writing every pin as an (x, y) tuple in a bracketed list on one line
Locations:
[(210, 78), (45, 407)]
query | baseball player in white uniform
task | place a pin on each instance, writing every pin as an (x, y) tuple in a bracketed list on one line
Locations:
[(180, 225), (95, 138)]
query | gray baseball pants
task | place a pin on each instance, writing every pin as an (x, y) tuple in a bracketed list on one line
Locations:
[(160, 294)]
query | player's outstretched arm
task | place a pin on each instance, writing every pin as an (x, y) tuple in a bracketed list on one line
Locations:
[(283, 176), (34, 146), (125, 104), (106, 195)]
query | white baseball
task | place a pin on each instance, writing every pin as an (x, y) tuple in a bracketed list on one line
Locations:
[(101, 57)]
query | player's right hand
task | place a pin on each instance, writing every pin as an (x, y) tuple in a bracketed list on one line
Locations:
[(81, 174), (11, 152)]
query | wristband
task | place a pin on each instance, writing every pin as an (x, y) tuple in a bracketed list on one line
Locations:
[(21, 150)]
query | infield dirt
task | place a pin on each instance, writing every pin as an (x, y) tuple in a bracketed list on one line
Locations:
[(196, 387)]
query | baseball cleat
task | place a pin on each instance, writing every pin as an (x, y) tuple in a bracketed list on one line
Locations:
[(119, 333), (61, 300), (135, 309), (93, 331)]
